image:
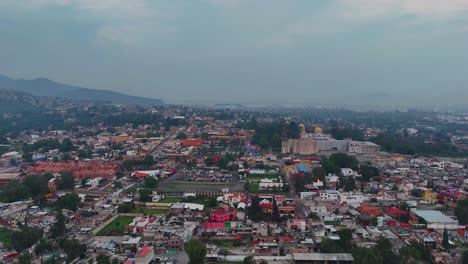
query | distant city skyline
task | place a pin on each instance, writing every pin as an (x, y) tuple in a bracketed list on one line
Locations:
[(364, 52)]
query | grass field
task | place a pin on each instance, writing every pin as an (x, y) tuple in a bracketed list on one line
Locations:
[(262, 176), (149, 211), (5, 237), (254, 188), (169, 200), (116, 227)]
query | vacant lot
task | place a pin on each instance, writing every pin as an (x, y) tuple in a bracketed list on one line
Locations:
[(149, 211), (5, 237), (170, 200), (116, 227), (258, 177)]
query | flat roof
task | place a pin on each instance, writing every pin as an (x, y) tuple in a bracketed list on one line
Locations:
[(433, 216), (323, 256)]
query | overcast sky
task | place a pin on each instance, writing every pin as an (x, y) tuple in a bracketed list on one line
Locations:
[(358, 51)]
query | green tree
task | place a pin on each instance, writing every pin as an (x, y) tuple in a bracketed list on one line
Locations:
[(245, 164), (145, 195), (330, 246), (223, 162), (103, 259), (58, 229), (196, 251), (69, 201), (25, 258), (349, 184), (181, 135), (205, 135), (461, 211), (248, 260), (43, 246), (319, 173), (73, 249), (148, 161), (364, 255), (445, 240), (67, 181), (464, 259), (209, 161), (275, 216), (385, 249), (368, 172), (25, 238), (150, 182), (27, 156)]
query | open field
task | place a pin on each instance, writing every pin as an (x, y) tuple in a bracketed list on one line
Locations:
[(149, 211), (116, 227), (5, 237), (170, 200)]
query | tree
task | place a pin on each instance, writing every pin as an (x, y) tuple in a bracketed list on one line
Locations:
[(25, 238), (150, 182), (27, 156), (69, 201), (196, 251), (349, 184), (245, 164), (103, 259), (223, 162), (330, 246), (275, 216), (319, 173), (368, 172), (148, 161), (464, 259), (445, 240), (73, 249), (58, 229), (145, 195), (248, 260), (209, 161), (43, 246), (364, 255), (67, 181), (13, 191), (385, 249), (181, 135), (25, 258), (205, 135), (461, 211)]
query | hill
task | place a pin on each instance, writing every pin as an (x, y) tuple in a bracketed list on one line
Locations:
[(45, 87)]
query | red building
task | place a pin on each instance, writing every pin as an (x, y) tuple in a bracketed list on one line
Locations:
[(79, 170), (191, 143), (222, 214)]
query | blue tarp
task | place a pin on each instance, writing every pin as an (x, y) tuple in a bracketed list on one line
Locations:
[(301, 167)]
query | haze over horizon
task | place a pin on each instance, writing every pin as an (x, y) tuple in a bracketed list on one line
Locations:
[(368, 52)]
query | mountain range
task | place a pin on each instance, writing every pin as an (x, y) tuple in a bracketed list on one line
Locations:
[(49, 88)]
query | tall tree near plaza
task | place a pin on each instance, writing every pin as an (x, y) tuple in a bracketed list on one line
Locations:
[(196, 251), (461, 211), (445, 239), (58, 229), (275, 216)]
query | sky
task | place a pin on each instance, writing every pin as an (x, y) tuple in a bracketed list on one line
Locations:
[(391, 52)]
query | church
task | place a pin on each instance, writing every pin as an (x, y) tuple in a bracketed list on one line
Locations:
[(318, 143)]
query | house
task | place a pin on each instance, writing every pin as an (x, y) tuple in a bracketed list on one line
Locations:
[(325, 258), (138, 225), (145, 256), (222, 214), (297, 224)]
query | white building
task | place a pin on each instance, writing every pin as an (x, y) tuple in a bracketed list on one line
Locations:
[(330, 195)]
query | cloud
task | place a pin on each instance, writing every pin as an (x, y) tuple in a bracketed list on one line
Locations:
[(341, 16), (419, 8)]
